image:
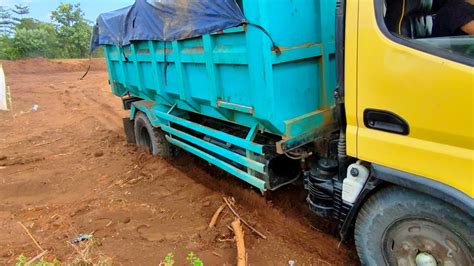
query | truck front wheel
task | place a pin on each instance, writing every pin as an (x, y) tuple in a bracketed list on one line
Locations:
[(151, 138), (398, 226)]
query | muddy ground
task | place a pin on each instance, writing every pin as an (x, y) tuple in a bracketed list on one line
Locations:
[(66, 170)]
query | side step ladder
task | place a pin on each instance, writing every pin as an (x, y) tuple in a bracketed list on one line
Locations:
[(162, 116)]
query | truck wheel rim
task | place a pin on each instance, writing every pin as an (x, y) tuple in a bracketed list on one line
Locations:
[(418, 241)]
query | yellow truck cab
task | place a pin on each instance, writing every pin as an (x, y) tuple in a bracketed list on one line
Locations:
[(409, 104)]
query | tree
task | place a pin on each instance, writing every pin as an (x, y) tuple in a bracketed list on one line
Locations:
[(7, 48), (67, 36), (31, 43), (9, 20), (31, 27), (21, 10), (6, 21), (66, 15), (73, 30), (28, 23)]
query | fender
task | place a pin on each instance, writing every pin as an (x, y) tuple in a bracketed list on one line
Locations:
[(382, 175), (134, 105), (427, 186), (128, 101)]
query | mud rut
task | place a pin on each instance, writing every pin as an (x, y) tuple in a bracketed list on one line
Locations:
[(66, 170)]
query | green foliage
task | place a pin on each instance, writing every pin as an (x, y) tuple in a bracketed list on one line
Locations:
[(194, 260), (73, 30), (33, 24), (191, 258), (22, 260), (76, 39), (7, 49), (31, 43), (67, 37), (168, 261), (32, 38), (66, 15)]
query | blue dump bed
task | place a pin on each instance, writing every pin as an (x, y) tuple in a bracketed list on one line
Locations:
[(237, 76)]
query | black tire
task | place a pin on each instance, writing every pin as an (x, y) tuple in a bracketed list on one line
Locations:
[(152, 138), (398, 225)]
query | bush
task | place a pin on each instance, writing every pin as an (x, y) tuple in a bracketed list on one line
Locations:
[(68, 37)]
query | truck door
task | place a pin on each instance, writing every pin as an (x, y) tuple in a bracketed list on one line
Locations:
[(415, 95)]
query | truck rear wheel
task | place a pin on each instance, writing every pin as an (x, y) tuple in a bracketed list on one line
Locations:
[(398, 226), (152, 138)]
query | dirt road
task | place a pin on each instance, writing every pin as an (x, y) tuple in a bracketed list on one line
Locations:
[(66, 170)]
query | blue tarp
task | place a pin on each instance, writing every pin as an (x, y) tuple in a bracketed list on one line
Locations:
[(165, 20)]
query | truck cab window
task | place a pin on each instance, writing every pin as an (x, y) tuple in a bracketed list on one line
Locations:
[(441, 24)]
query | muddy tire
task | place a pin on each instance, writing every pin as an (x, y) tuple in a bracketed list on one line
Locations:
[(152, 138), (397, 226)]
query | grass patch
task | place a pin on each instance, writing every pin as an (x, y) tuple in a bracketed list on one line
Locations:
[(192, 259)]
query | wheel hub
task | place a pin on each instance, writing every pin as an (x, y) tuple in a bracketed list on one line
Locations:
[(425, 259), (417, 242)]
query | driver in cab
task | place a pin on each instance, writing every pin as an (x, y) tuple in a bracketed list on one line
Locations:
[(455, 18)]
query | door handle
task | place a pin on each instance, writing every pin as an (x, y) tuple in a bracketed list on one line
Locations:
[(386, 121)]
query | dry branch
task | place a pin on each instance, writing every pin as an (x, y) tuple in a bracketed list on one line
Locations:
[(31, 236), (239, 239), (47, 143), (229, 204), (217, 254), (83, 254), (39, 256), (222, 240), (216, 216)]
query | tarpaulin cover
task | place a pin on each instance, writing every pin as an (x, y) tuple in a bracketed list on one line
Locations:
[(165, 20)]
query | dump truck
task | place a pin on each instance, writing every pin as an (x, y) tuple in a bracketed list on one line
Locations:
[(352, 99)]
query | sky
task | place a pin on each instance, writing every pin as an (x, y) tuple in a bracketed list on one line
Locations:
[(41, 9)]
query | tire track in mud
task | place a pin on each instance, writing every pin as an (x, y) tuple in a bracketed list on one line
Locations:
[(87, 100)]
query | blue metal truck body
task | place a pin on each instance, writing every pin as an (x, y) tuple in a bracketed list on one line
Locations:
[(236, 77)]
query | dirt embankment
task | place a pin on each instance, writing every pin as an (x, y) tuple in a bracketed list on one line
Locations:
[(43, 65), (66, 170)]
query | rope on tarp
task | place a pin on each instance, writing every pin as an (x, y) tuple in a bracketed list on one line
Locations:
[(88, 67), (90, 63), (275, 47), (91, 50), (123, 53), (165, 67)]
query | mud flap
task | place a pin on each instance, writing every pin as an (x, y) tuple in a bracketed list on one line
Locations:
[(128, 126)]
